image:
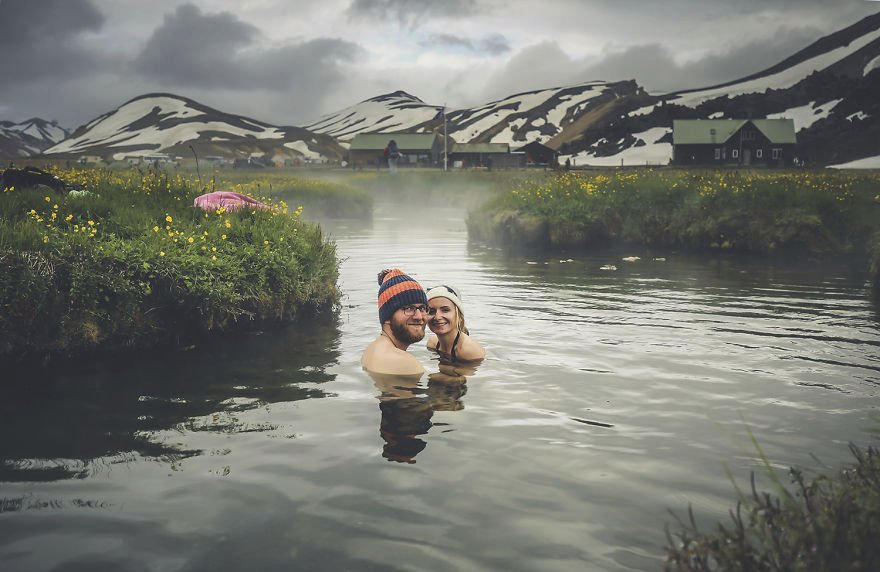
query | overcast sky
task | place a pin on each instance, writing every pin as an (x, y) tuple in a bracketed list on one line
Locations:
[(288, 62)]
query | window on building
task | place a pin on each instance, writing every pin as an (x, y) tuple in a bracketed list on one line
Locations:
[(776, 153), (748, 135), (735, 153), (759, 153), (717, 153)]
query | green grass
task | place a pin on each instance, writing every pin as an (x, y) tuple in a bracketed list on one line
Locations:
[(828, 524), (134, 263), (748, 211)]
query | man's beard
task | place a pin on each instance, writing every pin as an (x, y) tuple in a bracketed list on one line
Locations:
[(403, 334)]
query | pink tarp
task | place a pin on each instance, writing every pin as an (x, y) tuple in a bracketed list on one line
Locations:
[(228, 200)]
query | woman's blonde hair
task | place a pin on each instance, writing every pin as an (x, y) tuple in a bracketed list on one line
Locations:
[(460, 319)]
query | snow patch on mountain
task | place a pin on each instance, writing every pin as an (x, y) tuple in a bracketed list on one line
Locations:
[(398, 111), (647, 151), (301, 147), (805, 115), (865, 163), (859, 115), (780, 80), (871, 65), (170, 121)]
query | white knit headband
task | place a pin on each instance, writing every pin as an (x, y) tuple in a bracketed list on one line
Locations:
[(444, 291)]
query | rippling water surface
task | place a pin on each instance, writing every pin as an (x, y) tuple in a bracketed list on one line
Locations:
[(608, 397)]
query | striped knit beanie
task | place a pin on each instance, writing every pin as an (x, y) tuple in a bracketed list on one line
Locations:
[(396, 289)]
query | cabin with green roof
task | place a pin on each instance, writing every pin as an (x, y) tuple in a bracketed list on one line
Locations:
[(484, 156), (417, 149), (745, 142)]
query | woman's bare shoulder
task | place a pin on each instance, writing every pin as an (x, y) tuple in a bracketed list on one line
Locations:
[(470, 349)]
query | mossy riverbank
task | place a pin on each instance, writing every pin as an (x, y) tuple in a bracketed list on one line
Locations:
[(743, 211), (131, 263)]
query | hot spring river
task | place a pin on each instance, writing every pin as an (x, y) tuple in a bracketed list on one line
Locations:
[(608, 397)]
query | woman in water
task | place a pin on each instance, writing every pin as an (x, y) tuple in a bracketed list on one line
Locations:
[(446, 321)]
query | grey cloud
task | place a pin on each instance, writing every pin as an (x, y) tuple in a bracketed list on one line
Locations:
[(539, 66), (193, 49), (44, 37), (654, 67), (412, 12), (435, 40), (33, 21), (493, 45)]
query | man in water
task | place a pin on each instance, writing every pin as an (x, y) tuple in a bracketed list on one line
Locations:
[(403, 312)]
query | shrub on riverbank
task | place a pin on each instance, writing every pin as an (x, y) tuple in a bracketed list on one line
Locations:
[(132, 262), (750, 211), (826, 525)]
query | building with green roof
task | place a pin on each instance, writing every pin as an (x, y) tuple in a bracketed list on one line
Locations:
[(487, 155), (769, 142), (417, 149)]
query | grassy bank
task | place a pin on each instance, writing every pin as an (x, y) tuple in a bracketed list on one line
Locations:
[(828, 524), (132, 262), (319, 198), (748, 211)]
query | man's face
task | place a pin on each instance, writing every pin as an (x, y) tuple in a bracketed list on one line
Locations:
[(408, 329)]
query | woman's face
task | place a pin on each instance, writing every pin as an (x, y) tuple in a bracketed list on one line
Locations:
[(441, 315)]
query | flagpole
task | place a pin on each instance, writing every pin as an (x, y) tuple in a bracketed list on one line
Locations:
[(445, 141)]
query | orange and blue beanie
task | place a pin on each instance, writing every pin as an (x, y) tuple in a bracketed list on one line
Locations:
[(396, 289)]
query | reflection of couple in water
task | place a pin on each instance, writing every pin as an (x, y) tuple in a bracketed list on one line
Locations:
[(405, 309)]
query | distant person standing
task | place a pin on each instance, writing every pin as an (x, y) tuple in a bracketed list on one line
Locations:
[(393, 155)]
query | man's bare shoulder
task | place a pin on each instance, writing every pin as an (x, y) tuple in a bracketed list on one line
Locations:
[(384, 358)]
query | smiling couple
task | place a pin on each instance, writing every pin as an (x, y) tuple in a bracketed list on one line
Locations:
[(405, 308)]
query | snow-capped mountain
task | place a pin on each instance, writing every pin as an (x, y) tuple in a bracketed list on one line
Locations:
[(542, 115), (829, 88), (398, 111), (29, 137), (172, 124)]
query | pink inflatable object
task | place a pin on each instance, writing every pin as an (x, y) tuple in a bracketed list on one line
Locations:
[(228, 200)]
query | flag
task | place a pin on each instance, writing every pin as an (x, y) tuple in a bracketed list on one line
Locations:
[(441, 114)]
